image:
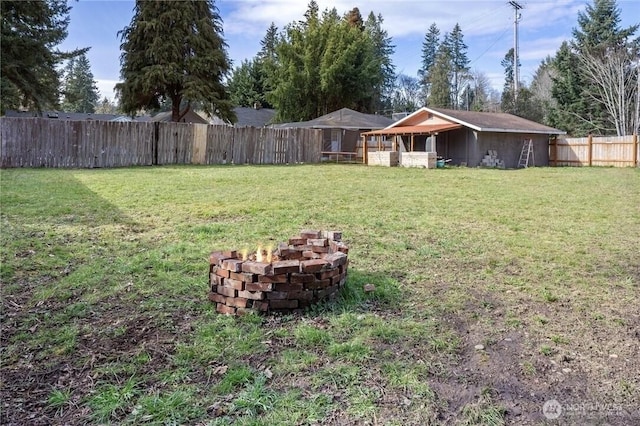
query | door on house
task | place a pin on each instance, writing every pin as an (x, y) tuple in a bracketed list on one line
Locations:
[(336, 140)]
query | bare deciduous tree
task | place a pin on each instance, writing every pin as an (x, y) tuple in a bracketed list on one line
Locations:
[(615, 81)]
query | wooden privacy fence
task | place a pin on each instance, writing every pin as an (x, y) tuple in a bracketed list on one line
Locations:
[(41, 142), (618, 151)]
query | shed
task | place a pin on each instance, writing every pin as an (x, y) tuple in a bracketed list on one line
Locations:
[(466, 137), (342, 129)]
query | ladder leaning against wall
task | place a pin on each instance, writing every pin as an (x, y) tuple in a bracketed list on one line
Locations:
[(526, 155)]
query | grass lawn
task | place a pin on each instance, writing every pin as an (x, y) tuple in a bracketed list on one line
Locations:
[(496, 291)]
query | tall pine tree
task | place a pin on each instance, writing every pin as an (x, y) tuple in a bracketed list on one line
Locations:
[(31, 30), (79, 90), (440, 79), (430, 47), (459, 62), (174, 50)]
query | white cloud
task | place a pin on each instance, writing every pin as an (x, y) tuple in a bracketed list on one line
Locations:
[(106, 88)]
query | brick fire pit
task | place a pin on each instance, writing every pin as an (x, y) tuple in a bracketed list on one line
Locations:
[(309, 268)]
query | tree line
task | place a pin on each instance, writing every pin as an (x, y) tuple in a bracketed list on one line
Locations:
[(174, 57)]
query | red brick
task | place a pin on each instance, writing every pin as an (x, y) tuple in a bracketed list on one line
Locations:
[(297, 241), (326, 292), (283, 304), (273, 295), (328, 273), (309, 233), (227, 291), (216, 257), (230, 254), (294, 254), (336, 259), (321, 242), (310, 255), (243, 276), (233, 265), (217, 280), (302, 278), (314, 265), (281, 278), (301, 295), (288, 287), (318, 284), (257, 268), (282, 250), (258, 286), (261, 306), (224, 273), (215, 297), (319, 249), (253, 295), (285, 266), (234, 284), (224, 309), (238, 302)]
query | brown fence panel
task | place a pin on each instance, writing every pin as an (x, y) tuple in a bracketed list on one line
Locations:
[(43, 142), (219, 145), (617, 151)]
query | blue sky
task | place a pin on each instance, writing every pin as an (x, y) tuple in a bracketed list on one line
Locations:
[(487, 26)]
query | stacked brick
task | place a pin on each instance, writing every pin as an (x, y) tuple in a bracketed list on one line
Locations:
[(309, 268)]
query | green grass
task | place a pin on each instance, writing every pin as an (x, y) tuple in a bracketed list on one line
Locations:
[(104, 283)]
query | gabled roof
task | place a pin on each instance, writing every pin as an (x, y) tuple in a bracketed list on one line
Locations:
[(344, 118), (480, 121), (190, 117), (255, 117)]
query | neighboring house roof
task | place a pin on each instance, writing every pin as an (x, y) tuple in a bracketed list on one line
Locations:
[(255, 117), (344, 118), (479, 121), (60, 115), (190, 117)]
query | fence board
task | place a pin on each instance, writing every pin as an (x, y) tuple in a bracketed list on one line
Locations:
[(42, 142), (617, 151)]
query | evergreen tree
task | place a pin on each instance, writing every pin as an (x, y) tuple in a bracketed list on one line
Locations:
[(459, 61), (28, 65), (383, 50), (598, 29), (326, 62), (430, 47), (174, 51), (80, 93), (264, 66), (440, 78), (245, 85), (570, 113)]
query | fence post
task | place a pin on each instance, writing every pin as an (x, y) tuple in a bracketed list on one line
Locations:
[(635, 150), (590, 153)]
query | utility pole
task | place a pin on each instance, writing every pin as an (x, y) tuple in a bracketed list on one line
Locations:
[(516, 68)]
